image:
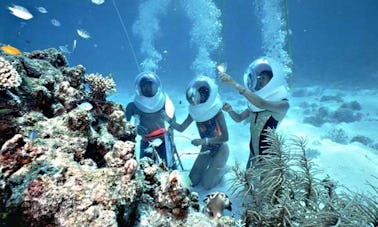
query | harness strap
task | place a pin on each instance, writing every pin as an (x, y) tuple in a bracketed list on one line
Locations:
[(158, 133)]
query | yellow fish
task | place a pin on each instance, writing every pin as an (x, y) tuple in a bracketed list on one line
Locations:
[(10, 50)]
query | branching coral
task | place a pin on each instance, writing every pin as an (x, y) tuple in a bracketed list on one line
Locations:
[(369, 208), (100, 86), (308, 183), (9, 77)]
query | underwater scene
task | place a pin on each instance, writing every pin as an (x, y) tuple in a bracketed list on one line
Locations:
[(188, 113)]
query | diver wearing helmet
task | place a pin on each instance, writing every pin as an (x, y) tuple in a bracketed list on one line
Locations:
[(149, 108), (206, 110), (267, 94)]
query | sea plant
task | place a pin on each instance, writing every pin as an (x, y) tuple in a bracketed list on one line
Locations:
[(282, 188)]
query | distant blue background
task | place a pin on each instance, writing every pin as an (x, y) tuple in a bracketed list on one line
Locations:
[(334, 42)]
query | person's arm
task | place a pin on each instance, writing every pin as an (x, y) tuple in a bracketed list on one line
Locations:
[(236, 116), (180, 127), (129, 111), (277, 106)]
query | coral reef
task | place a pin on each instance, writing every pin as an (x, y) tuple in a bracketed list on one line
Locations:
[(52, 141), (346, 112), (67, 155), (338, 135), (174, 205), (9, 77), (15, 153), (282, 190), (118, 126)]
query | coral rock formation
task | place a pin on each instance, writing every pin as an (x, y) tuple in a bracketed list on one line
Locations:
[(9, 77), (100, 85), (68, 156)]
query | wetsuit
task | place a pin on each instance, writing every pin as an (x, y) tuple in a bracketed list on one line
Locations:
[(260, 122)]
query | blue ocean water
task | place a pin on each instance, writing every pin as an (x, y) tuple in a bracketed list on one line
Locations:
[(331, 42)]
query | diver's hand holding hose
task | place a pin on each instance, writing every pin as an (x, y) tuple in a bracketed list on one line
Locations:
[(226, 78), (200, 142)]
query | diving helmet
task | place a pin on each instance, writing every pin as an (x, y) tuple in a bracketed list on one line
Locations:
[(253, 72), (274, 90), (147, 84), (149, 98), (202, 94)]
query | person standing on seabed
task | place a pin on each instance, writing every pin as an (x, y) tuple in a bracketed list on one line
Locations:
[(206, 110), (267, 93), (149, 108)]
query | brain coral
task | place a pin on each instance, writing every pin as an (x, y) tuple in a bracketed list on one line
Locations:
[(9, 77)]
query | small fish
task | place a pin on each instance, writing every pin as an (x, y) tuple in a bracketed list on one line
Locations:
[(74, 45), (33, 135), (180, 179), (85, 106), (83, 33), (20, 12), (41, 9), (8, 49), (156, 142), (149, 150), (55, 22), (98, 2)]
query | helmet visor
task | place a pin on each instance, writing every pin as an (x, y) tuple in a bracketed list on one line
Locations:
[(147, 85), (198, 92)]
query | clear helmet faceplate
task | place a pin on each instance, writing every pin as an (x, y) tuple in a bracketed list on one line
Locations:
[(276, 89), (202, 95), (149, 97)]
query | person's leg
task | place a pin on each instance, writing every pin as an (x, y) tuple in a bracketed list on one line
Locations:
[(216, 169), (143, 153), (199, 167)]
